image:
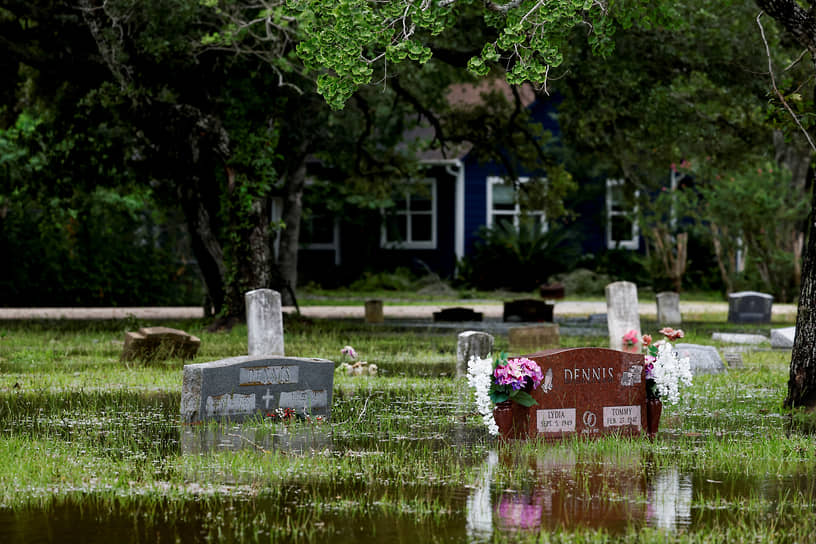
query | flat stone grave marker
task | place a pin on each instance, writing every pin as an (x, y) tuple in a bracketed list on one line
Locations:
[(739, 338), (589, 392), (733, 357), (534, 337), (749, 307), (242, 387), (458, 314), (783, 338), (703, 359), (152, 343), (668, 308), (622, 313), (527, 309)]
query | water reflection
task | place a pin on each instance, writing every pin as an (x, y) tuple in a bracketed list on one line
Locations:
[(669, 499), (199, 440), (561, 492), (479, 523)]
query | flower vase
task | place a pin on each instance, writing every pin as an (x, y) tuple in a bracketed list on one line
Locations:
[(512, 419), (503, 414), (653, 410)]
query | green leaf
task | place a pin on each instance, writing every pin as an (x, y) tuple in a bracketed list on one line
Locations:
[(523, 397)]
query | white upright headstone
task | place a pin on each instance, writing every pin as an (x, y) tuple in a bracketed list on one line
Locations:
[(622, 314), (668, 308), (471, 344), (264, 322)]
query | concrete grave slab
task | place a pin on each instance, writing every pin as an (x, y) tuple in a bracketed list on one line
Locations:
[(243, 387), (783, 338), (534, 337), (703, 359), (374, 311), (152, 343), (737, 338)]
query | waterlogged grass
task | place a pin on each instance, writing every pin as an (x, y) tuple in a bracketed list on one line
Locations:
[(92, 446)]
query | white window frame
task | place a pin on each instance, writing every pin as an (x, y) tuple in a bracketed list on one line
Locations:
[(516, 212), (334, 245), (632, 243), (409, 243)]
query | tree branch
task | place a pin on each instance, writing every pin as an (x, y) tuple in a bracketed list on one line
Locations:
[(775, 88)]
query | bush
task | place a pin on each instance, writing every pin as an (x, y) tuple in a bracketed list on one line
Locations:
[(584, 282), (518, 259)]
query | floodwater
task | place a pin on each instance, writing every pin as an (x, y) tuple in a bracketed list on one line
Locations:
[(560, 491), (555, 487)]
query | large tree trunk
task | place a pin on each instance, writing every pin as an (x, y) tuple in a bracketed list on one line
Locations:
[(801, 25), (802, 383), (290, 235), (206, 247)]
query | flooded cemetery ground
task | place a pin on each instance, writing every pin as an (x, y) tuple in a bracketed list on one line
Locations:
[(92, 450)]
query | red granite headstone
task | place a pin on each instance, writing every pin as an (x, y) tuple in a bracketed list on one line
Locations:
[(589, 392)]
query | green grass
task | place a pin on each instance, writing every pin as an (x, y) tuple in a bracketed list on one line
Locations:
[(92, 444)]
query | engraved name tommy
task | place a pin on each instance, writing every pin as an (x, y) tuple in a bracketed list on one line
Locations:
[(595, 374)]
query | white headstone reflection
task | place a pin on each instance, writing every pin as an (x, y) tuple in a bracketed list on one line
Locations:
[(670, 500), (479, 522)]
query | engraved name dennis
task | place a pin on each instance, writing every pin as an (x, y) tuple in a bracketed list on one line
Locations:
[(596, 374)]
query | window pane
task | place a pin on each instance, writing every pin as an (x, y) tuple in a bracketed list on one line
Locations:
[(421, 202), (502, 219), (400, 201), (616, 198), (318, 230), (421, 228), (396, 228), (621, 228), (504, 197)]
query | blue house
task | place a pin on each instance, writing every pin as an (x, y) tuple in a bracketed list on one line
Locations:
[(437, 219)]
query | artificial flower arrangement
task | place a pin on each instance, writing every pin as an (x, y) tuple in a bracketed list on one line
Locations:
[(665, 369), (358, 368), (499, 380)]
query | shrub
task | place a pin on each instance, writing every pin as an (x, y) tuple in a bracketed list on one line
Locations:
[(519, 259)]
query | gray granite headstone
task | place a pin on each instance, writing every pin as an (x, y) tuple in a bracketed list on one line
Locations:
[(622, 312), (783, 338), (457, 314), (703, 359), (242, 387), (471, 344), (668, 308), (527, 309), (264, 322), (738, 338), (749, 307)]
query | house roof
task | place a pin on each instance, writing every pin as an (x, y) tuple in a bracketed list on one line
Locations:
[(464, 96)]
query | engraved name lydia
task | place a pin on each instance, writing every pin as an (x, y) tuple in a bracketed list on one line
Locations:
[(595, 374)]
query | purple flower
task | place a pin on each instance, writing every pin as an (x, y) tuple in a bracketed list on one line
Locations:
[(516, 373), (349, 352)]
